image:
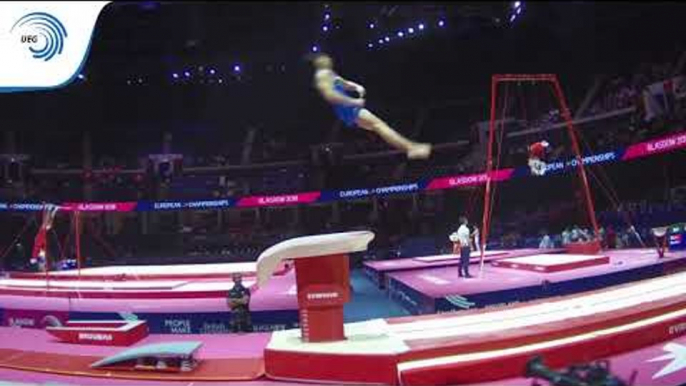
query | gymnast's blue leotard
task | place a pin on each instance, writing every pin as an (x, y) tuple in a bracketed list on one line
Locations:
[(347, 114)]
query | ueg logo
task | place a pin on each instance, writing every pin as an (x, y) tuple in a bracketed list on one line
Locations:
[(42, 33), (44, 44)]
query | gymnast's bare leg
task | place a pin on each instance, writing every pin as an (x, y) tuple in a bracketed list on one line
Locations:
[(368, 121)]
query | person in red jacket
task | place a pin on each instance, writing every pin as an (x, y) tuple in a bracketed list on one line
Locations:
[(39, 247), (537, 153), (40, 242)]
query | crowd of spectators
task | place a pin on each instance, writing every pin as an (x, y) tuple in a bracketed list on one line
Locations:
[(624, 91)]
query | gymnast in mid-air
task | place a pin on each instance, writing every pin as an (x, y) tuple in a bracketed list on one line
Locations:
[(338, 92), (537, 156)]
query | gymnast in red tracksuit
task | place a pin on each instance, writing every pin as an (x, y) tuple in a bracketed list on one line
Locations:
[(40, 242), (39, 247), (537, 153)]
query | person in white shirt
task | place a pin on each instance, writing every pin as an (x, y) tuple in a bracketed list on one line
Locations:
[(566, 236), (625, 240), (463, 238), (477, 242), (576, 236), (546, 242)]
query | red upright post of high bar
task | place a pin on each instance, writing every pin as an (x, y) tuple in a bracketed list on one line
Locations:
[(43, 228), (577, 150), (77, 232), (485, 223), (491, 137)]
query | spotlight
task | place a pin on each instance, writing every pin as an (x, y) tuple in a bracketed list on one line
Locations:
[(175, 75), (81, 76), (325, 28), (327, 16), (212, 71), (517, 4), (187, 74), (149, 5), (236, 68), (400, 34), (387, 39), (370, 45), (128, 82), (519, 10), (421, 26), (441, 23), (380, 41), (221, 81), (512, 18), (372, 25), (140, 80), (315, 49), (410, 30)]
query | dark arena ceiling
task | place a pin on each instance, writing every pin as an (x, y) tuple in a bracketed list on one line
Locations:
[(134, 78)]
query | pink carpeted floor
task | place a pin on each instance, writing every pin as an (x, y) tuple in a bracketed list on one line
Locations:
[(25, 377), (439, 282), (278, 294), (658, 365), (408, 264), (213, 345)]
